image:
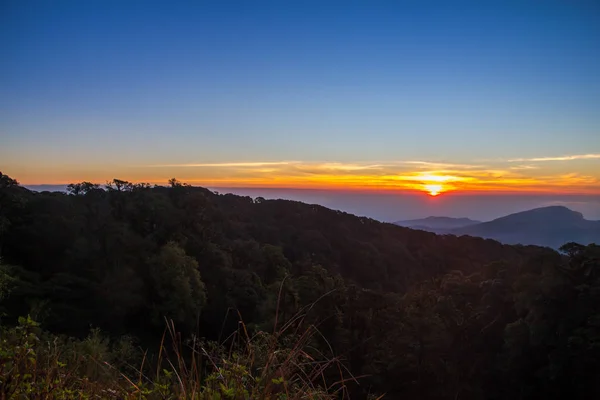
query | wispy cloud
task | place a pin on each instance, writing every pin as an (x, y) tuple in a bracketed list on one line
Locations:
[(524, 167), (523, 175), (348, 167), (224, 165), (559, 158), (433, 164)]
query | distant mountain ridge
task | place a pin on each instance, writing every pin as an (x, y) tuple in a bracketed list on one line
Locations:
[(432, 223), (547, 226)]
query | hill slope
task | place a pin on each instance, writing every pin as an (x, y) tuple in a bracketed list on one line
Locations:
[(547, 226), (433, 224), (408, 312)]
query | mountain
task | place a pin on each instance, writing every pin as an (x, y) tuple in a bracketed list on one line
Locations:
[(433, 224), (548, 226)]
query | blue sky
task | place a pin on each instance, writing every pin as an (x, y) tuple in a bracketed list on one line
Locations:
[(105, 87)]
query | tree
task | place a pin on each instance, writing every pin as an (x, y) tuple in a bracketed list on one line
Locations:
[(82, 188), (178, 289), (6, 181), (119, 185)]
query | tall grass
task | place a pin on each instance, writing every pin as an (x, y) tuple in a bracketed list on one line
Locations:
[(282, 364), (33, 366)]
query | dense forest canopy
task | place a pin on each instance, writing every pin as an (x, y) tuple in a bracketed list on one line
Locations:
[(416, 315)]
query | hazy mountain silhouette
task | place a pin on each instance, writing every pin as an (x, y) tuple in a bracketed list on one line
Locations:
[(436, 223), (548, 226)]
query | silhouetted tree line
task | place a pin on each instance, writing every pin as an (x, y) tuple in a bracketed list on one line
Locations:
[(414, 314)]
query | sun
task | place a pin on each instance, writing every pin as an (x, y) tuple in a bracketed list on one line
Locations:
[(434, 189)]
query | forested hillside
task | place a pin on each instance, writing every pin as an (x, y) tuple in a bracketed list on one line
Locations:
[(410, 314)]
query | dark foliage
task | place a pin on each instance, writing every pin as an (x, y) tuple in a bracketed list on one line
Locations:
[(418, 315)]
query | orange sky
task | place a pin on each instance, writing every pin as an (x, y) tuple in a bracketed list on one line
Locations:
[(559, 174)]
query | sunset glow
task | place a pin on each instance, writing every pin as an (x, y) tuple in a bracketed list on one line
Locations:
[(384, 97), (558, 174), (434, 190)]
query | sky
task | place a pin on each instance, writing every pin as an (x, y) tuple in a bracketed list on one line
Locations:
[(405, 98)]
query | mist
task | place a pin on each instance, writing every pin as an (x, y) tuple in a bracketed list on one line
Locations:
[(395, 206), (390, 206)]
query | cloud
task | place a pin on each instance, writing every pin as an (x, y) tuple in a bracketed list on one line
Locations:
[(348, 167), (524, 167), (560, 158), (528, 175), (225, 165), (431, 164)]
